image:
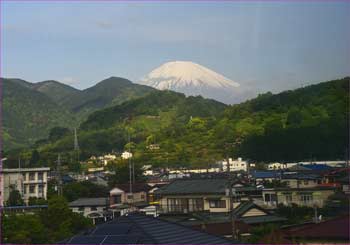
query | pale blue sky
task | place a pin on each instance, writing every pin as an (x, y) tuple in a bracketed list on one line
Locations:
[(267, 46)]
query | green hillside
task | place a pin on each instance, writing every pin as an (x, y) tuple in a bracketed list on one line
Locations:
[(57, 91), (109, 92), (32, 109), (303, 124), (28, 115)]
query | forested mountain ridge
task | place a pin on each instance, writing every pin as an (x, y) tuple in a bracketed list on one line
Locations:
[(303, 124), (31, 110), (28, 115), (308, 123)]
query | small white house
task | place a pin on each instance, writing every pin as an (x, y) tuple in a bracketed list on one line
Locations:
[(90, 207), (235, 165), (276, 165)]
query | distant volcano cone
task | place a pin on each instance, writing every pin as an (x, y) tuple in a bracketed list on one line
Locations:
[(191, 79)]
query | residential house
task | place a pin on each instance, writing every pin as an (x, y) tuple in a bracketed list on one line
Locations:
[(30, 182), (300, 180), (121, 194), (195, 195), (93, 208), (247, 215), (300, 196), (261, 176)]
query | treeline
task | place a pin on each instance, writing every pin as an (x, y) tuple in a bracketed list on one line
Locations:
[(50, 225)]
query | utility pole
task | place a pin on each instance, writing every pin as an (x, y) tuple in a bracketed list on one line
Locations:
[(59, 187), (76, 145), (233, 218)]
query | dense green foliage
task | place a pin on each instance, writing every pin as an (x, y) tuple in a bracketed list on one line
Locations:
[(30, 110), (56, 223), (304, 124), (28, 115), (75, 190), (15, 199)]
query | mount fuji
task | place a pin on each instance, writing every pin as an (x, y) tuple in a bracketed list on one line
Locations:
[(193, 79)]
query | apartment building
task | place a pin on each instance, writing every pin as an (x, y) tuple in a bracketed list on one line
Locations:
[(30, 182)]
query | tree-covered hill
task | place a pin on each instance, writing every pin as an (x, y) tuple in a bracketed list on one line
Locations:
[(109, 92), (31, 109), (28, 115), (302, 124), (57, 91)]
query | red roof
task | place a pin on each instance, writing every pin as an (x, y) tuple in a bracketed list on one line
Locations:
[(337, 228)]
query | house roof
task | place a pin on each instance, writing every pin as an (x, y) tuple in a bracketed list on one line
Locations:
[(136, 187), (244, 207), (301, 176), (194, 186), (311, 167), (316, 188), (140, 229), (257, 174), (337, 228), (90, 202), (262, 219)]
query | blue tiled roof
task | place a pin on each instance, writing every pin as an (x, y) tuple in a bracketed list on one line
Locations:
[(317, 166), (257, 174)]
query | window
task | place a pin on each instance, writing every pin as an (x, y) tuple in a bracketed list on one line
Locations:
[(129, 196), (117, 199), (24, 189), (81, 209), (268, 197), (142, 196), (306, 182), (289, 198), (32, 189), (196, 204), (41, 189), (306, 198), (40, 176), (177, 205), (93, 208), (31, 176), (217, 203)]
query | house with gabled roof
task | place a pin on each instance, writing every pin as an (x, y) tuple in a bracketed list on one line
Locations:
[(197, 195)]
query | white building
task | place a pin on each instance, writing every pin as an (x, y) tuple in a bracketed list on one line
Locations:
[(30, 182), (126, 155), (235, 165), (108, 158), (276, 165)]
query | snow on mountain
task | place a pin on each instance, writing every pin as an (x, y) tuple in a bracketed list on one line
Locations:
[(191, 79)]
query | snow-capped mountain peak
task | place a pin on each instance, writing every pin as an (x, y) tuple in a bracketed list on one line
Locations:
[(177, 75)]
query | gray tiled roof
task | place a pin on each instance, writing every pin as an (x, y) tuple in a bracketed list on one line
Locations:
[(194, 186), (89, 202), (140, 229)]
